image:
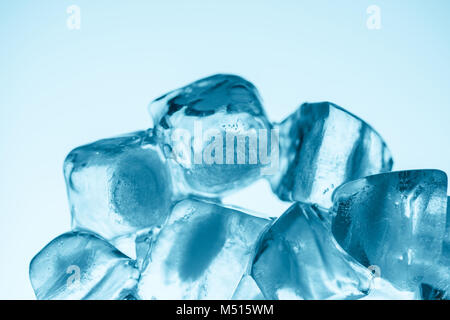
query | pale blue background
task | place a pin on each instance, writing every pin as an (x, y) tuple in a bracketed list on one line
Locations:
[(61, 88)]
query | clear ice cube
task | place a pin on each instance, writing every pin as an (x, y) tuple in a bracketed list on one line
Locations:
[(201, 253), (322, 146), (248, 290), (118, 186), (80, 265), (216, 133), (395, 221), (298, 258), (446, 245)]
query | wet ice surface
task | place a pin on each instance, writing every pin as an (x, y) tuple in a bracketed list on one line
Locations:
[(80, 265), (323, 146), (395, 221), (211, 131), (201, 253), (118, 186), (297, 258)]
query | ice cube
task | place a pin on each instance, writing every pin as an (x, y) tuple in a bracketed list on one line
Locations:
[(382, 289), (298, 258), (118, 186), (216, 133), (201, 253), (395, 221), (80, 265), (322, 146)]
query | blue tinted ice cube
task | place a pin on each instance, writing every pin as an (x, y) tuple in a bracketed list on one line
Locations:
[(118, 186), (80, 265), (216, 133), (395, 221), (298, 258), (201, 253), (322, 146), (428, 292)]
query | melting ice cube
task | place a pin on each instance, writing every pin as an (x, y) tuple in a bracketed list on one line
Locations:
[(395, 221), (216, 133), (118, 186), (201, 253), (298, 258), (322, 146), (80, 265)]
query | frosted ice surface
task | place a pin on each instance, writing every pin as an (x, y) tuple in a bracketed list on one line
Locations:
[(201, 253), (395, 221), (297, 258), (212, 132), (322, 146), (80, 265), (118, 186)]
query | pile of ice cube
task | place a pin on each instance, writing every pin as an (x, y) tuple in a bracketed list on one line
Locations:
[(148, 223)]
